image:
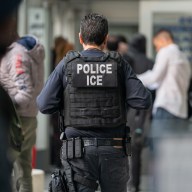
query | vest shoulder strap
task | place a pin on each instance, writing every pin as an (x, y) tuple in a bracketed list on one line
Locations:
[(115, 56), (71, 55)]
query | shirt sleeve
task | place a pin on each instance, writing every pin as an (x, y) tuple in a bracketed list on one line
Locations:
[(21, 68), (159, 70), (137, 96), (50, 99)]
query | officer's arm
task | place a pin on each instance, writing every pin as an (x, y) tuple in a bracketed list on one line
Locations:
[(50, 98), (137, 96)]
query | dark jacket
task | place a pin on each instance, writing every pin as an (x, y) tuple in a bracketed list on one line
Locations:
[(137, 51), (139, 120)]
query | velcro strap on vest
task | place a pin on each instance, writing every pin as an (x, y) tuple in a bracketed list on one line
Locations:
[(95, 113), (86, 182), (102, 142)]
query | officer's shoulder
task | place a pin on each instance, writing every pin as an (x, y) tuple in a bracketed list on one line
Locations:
[(115, 56), (71, 55)]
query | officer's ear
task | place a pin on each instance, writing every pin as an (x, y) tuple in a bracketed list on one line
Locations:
[(81, 39)]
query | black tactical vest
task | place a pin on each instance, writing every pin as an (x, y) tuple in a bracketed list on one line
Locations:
[(94, 95)]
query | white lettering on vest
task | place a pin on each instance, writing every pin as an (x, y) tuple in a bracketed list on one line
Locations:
[(86, 68), (92, 70), (95, 69), (102, 70), (79, 67), (99, 80), (94, 80), (109, 68)]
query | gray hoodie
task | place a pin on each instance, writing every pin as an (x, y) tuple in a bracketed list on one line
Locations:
[(22, 74)]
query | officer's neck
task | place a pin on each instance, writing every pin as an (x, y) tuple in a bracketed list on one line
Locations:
[(88, 47)]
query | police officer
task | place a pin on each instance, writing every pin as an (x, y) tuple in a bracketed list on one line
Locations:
[(95, 87)]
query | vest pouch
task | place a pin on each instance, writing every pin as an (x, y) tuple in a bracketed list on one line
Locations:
[(102, 113), (91, 102)]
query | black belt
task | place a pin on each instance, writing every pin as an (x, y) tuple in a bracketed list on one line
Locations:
[(102, 142)]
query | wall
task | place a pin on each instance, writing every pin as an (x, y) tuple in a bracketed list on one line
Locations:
[(67, 16), (118, 11)]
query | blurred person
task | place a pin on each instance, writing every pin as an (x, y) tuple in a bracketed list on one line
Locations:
[(7, 8), (138, 120), (112, 43), (172, 73), (91, 117), (122, 44), (171, 76), (117, 43), (21, 75), (61, 47), (137, 50)]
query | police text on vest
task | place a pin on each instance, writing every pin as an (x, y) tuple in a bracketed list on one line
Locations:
[(94, 72)]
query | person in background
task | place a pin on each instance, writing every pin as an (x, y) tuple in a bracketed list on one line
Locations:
[(137, 50), (62, 46), (22, 73), (138, 120), (112, 43), (120, 44), (171, 75), (94, 109), (123, 44), (171, 72), (7, 9)]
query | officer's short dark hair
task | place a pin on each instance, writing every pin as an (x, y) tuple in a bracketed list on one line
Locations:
[(94, 28), (164, 30)]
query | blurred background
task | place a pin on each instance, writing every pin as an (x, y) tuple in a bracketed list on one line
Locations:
[(50, 19)]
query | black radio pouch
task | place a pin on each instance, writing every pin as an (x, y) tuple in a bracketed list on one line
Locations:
[(64, 150), (79, 148), (70, 148)]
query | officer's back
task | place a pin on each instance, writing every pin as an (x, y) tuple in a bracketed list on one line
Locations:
[(94, 89)]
